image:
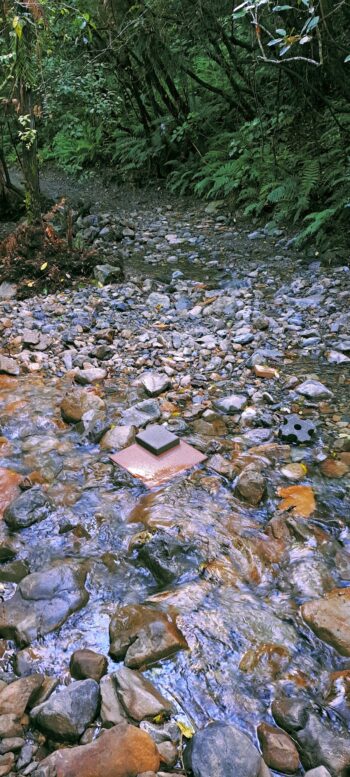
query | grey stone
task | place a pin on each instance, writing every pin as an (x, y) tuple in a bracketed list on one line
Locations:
[(107, 273), (323, 745), (155, 383), (139, 697), (157, 300), (222, 749), (320, 771), (232, 404), (112, 711), (142, 413), (7, 290), (313, 389), (67, 714), (90, 375), (30, 507), (117, 438), (8, 366), (42, 602)]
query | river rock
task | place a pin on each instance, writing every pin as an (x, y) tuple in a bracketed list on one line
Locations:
[(117, 438), (112, 711), (169, 558), (78, 402), (155, 383), (222, 749), (142, 635), (7, 290), (278, 749), (231, 405), (320, 771), (139, 697), (251, 485), (90, 375), (313, 389), (86, 664), (123, 751), (42, 602), (30, 507), (108, 273), (17, 695), (329, 618), (10, 726), (6, 763), (67, 713), (142, 413), (158, 300), (8, 366)]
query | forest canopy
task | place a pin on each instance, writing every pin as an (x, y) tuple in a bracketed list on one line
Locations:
[(247, 102)]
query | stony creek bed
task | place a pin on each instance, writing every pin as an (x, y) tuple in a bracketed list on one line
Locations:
[(217, 606)]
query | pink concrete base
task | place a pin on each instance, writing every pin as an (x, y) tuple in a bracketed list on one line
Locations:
[(155, 470)]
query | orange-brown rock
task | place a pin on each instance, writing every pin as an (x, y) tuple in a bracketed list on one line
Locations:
[(278, 749), (122, 751), (86, 663), (262, 371), (9, 487), (329, 618), (334, 468), (143, 635)]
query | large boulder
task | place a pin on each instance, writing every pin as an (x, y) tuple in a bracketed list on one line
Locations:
[(123, 751), (329, 618), (67, 714), (142, 635), (222, 749), (30, 507), (42, 602)]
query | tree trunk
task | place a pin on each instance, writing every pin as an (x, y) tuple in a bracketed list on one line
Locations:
[(11, 198)]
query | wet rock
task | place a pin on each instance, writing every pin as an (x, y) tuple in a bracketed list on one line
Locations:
[(329, 618), (86, 664), (12, 744), (77, 403), (142, 636), (334, 468), (232, 404), (290, 714), (162, 732), (155, 383), (251, 485), (142, 413), (222, 749), (139, 697), (67, 714), (278, 749), (8, 366), (323, 745), (313, 389), (257, 437), (30, 507), (119, 437), (14, 571), (7, 551), (320, 771), (170, 558), (123, 751), (108, 273), (294, 472), (17, 696), (25, 756), (168, 753), (112, 711), (90, 375), (42, 602), (6, 763)]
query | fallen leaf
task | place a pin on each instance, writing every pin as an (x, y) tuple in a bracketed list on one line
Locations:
[(43, 266), (334, 468), (299, 499), (186, 731)]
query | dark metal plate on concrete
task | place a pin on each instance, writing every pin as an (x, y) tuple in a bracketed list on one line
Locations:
[(157, 440), (296, 429), (155, 470)]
